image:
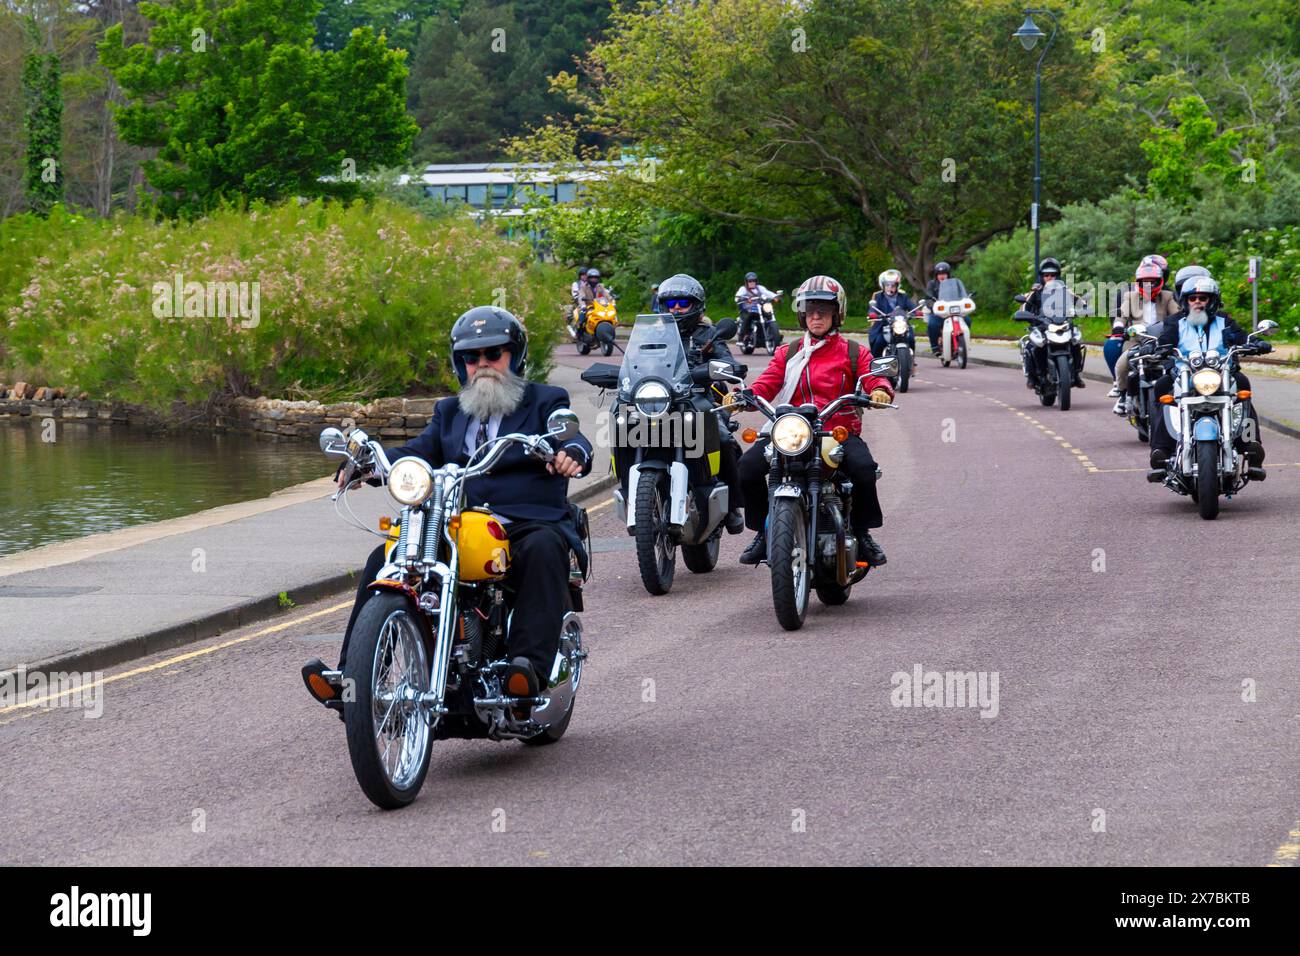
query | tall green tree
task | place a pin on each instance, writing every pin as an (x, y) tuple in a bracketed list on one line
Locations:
[(481, 75), (911, 125), (399, 20), (43, 95), (240, 105)]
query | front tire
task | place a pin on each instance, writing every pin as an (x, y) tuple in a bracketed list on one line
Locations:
[(656, 555), (584, 348), (787, 551), (1064, 378), (904, 368), (1207, 479), (389, 736), (961, 353)]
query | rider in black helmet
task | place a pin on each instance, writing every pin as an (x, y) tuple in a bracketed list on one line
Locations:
[(682, 297)]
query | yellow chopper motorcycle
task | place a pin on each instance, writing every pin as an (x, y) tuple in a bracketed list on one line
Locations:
[(426, 660)]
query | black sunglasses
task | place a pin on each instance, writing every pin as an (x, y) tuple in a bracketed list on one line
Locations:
[(1198, 297), (474, 356), (677, 303)]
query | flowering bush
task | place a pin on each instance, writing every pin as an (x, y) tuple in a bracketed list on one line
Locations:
[(353, 301)]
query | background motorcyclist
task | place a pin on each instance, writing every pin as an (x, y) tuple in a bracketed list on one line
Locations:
[(1149, 303), (683, 297), (1049, 270), (818, 367), (934, 324), (890, 297), (654, 298), (489, 352), (749, 303), (575, 287), (1201, 326)]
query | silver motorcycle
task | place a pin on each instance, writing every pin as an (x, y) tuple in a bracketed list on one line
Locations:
[(425, 661)]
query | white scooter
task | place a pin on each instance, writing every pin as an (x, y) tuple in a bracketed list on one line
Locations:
[(952, 305)]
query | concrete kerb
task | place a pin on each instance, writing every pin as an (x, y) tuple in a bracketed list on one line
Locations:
[(1264, 420), (228, 619)]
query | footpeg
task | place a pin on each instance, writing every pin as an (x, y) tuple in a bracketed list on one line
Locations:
[(1156, 475), (1256, 474)]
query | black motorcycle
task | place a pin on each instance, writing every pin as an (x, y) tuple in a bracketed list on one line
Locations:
[(1146, 364), (897, 328), (1047, 352), (667, 447), (758, 324), (809, 542)]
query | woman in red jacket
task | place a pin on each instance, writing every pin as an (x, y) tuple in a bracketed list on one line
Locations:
[(818, 368)]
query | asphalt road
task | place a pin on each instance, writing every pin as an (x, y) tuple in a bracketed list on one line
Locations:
[(1124, 632)]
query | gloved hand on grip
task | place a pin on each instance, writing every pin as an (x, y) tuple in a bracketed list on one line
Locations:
[(881, 395)]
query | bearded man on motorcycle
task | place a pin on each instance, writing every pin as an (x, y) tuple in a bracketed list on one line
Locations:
[(818, 367), (682, 297), (1202, 326), (1150, 303), (890, 297), (489, 352)]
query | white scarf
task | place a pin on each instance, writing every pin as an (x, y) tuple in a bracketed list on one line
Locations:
[(794, 369)]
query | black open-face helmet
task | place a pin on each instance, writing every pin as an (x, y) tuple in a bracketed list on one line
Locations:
[(942, 267), (1049, 265), (483, 327), (682, 286)]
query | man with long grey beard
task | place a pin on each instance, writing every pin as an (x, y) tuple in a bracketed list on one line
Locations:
[(1203, 327), (489, 353)]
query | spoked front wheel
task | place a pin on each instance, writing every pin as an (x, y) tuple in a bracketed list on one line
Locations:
[(387, 671)]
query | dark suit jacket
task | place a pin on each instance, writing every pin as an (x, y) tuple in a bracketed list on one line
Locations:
[(519, 487)]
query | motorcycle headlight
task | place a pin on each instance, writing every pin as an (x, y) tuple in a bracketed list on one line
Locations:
[(1036, 337), (792, 434), (900, 326), (651, 399), (1076, 335), (411, 481), (1206, 381), (1196, 359), (1212, 359)]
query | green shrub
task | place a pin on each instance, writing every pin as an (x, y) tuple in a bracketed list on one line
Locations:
[(355, 301)]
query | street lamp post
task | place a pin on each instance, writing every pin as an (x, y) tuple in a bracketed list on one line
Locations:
[(1028, 35)]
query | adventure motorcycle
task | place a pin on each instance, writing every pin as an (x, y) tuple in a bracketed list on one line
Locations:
[(897, 328), (595, 328), (1047, 352), (809, 542), (758, 325), (953, 306), (667, 445), (426, 661), (1206, 414)]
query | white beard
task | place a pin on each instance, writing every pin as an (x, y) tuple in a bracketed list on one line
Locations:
[(490, 393), (1197, 316)]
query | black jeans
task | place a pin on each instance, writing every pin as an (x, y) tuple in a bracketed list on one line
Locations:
[(858, 464), (539, 555)]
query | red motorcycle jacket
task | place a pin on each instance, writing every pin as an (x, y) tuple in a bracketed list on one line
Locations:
[(828, 375)]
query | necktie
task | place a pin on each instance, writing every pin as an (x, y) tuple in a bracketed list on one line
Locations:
[(482, 435)]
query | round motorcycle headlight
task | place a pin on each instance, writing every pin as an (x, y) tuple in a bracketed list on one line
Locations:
[(900, 326), (411, 481), (1196, 359), (1212, 359), (1206, 381), (652, 399), (792, 434)]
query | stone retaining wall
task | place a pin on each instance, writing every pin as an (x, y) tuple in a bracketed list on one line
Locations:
[(385, 418)]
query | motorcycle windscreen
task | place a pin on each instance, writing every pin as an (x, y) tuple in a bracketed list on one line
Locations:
[(950, 289), (654, 350), (1057, 301)]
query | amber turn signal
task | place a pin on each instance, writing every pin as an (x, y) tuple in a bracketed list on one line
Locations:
[(749, 435), (1166, 399), (385, 523), (839, 433), (1244, 393)]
